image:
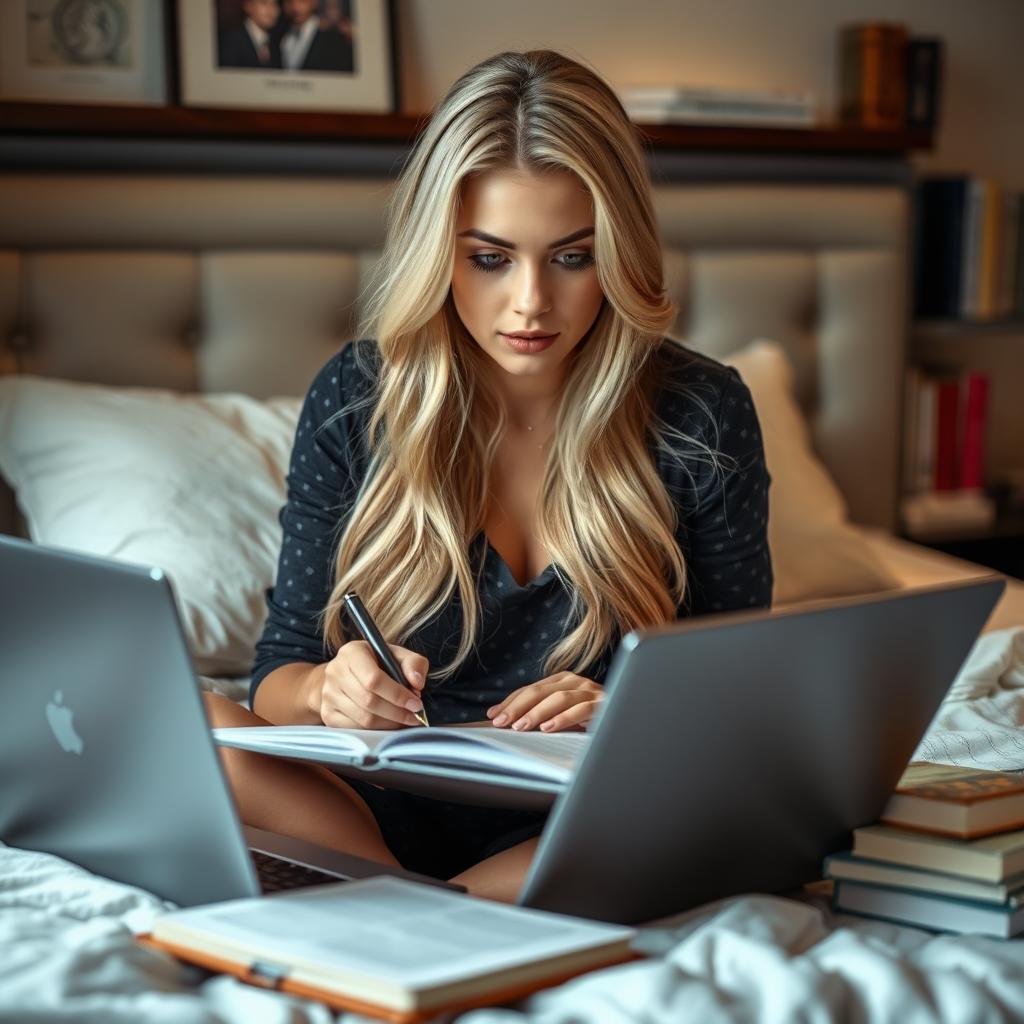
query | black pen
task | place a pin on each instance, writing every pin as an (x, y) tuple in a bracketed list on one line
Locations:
[(371, 634)]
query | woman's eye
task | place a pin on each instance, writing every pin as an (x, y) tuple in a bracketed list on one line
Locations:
[(488, 261), (481, 260)]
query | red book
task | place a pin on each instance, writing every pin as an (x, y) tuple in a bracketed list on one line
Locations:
[(946, 434), (972, 449)]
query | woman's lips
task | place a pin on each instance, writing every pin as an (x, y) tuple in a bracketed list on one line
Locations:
[(529, 345)]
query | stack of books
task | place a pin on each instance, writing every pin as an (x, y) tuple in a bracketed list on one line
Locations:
[(968, 248), (683, 104), (944, 452), (948, 854)]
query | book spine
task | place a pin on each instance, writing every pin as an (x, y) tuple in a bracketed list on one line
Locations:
[(1018, 286), (988, 271), (924, 476), (911, 393), (873, 83), (1008, 253), (972, 459), (924, 82), (971, 249), (939, 216), (946, 434)]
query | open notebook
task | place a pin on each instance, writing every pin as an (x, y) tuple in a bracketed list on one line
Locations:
[(529, 760)]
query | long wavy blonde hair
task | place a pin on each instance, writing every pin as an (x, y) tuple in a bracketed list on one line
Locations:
[(603, 514)]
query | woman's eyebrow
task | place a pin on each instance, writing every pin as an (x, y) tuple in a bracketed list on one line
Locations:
[(494, 240)]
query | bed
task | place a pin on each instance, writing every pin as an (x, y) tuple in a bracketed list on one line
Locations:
[(174, 322)]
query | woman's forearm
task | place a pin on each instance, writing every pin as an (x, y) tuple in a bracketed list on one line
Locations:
[(290, 695)]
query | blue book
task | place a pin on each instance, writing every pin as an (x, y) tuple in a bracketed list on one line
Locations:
[(929, 910)]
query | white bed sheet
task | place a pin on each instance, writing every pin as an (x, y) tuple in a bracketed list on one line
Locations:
[(67, 953)]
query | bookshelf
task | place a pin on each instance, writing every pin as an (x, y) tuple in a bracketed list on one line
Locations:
[(173, 121), (994, 347)]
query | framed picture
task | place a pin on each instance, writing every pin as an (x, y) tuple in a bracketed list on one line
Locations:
[(83, 51), (325, 55)]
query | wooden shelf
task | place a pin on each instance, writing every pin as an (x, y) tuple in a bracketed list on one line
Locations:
[(953, 326), (168, 122)]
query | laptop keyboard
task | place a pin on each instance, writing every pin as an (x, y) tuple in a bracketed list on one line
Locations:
[(276, 875)]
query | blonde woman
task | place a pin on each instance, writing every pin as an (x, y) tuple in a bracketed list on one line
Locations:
[(518, 470)]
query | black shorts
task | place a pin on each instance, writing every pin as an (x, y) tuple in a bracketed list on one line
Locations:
[(440, 838)]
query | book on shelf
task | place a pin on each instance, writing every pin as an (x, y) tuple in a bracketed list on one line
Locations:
[(925, 63), (989, 859), (944, 442), (390, 948), (965, 803), (704, 104), (873, 75), (536, 760), (967, 249), (845, 866), (929, 910)]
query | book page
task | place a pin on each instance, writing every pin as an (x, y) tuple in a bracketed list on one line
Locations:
[(390, 929), (535, 755), (302, 740)]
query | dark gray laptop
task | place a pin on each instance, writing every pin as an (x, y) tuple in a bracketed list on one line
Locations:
[(734, 752), (105, 754)]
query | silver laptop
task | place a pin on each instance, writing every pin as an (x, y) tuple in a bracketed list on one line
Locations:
[(105, 754), (734, 752)]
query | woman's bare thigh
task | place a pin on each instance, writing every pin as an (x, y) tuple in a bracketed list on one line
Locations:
[(294, 798)]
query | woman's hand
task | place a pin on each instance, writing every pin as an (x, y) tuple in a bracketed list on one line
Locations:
[(356, 693), (562, 701)]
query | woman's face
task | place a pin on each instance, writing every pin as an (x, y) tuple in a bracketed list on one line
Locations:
[(524, 262)]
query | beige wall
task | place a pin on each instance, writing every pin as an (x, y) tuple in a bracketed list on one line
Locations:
[(788, 44)]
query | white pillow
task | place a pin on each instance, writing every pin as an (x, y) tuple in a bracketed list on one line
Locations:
[(190, 483), (815, 550)]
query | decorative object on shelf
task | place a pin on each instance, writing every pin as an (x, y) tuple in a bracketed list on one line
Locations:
[(873, 75), (83, 51), (313, 55), (967, 244), (682, 104), (925, 64)]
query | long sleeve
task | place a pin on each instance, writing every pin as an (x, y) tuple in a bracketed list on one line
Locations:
[(730, 563), (328, 461)]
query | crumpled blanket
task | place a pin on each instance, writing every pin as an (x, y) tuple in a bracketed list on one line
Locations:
[(981, 722), (68, 953), (765, 959)]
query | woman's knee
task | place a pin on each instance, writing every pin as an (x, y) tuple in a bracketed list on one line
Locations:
[(224, 713)]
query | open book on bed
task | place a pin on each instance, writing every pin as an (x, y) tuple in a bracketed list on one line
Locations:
[(524, 760)]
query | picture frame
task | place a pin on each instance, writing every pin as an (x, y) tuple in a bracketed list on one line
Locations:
[(241, 54), (84, 51)]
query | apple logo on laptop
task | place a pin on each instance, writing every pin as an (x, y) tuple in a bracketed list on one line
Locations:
[(60, 718)]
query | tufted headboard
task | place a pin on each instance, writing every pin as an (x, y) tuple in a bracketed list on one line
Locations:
[(247, 283)]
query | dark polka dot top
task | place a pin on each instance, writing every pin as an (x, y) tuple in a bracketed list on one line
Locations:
[(722, 532)]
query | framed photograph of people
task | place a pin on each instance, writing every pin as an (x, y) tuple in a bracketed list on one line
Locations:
[(326, 55), (83, 51)]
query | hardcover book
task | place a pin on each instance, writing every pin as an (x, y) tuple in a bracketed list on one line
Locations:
[(961, 802), (990, 859), (390, 948), (847, 867), (939, 913)]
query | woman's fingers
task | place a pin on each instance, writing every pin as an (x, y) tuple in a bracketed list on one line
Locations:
[(557, 711), (529, 706), (371, 698), (350, 708)]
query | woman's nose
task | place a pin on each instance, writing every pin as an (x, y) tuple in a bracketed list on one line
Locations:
[(532, 296)]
